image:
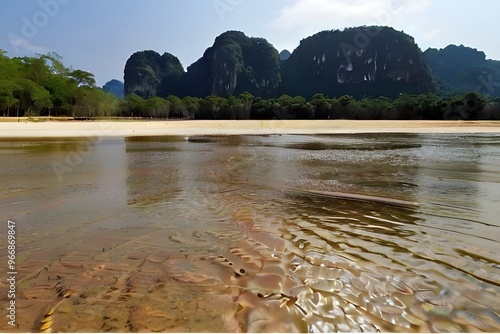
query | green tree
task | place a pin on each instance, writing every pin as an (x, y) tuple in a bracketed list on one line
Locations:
[(266, 109), (132, 106), (348, 107), (177, 108), (83, 78), (7, 99), (284, 111), (33, 98), (300, 108), (234, 108), (383, 106), (55, 63), (105, 104), (63, 93), (247, 100), (9, 68), (35, 69), (157, 107), (83, 106), (405, 107), (212, 107), (322, 106), (42, 85), (430, 106), (192, 105), (474, 103)]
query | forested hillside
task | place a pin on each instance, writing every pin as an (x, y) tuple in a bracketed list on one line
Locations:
[(461, 68)]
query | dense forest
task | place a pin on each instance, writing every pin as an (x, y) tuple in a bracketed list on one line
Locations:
[(382, 74), (245, 106), (43, 86)]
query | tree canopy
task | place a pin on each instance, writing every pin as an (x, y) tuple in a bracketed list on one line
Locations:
[(44, 86)]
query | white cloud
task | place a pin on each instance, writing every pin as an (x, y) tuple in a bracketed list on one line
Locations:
[(337, 14), (18, 43), (302, 18)]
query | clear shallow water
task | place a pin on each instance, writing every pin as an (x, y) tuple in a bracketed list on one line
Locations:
[(255, 233)]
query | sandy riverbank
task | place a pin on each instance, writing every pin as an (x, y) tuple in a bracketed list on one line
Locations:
[(54, 129)]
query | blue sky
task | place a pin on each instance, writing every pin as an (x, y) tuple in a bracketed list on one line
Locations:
[(99, 35)]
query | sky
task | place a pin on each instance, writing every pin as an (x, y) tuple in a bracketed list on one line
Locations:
[(100, 35)]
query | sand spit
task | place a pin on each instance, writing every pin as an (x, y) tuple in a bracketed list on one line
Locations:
[(56, 129)]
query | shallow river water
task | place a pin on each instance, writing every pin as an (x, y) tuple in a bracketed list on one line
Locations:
[(380, 232)]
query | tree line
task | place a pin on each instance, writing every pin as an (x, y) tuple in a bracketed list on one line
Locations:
[(43, 86), (427, 106)]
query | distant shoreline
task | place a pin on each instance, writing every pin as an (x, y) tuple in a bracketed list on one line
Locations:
[(134, 128)]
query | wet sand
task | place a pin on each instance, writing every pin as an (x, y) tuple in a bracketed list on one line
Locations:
[(55, 129)]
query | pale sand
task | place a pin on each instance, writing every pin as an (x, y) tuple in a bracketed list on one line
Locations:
[(55, 129)]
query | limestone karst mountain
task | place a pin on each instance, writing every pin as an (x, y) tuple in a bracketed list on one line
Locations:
[(234, 64), (364, 61), (463, 68), (149, 74), (367, 61), (114, 87)]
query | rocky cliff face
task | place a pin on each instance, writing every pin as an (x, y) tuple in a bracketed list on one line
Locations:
[(149, 74), (364, 61), (358, 61), (235, 64)]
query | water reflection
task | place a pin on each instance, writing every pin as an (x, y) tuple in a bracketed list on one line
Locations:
[(257, 233)]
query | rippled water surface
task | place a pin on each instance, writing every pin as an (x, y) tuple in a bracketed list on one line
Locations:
[(391, 233)]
